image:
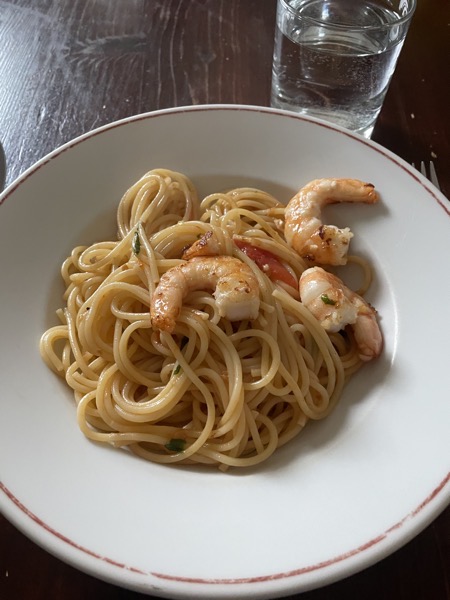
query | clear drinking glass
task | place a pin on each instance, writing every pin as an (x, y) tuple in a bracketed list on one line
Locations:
[(334, 59)]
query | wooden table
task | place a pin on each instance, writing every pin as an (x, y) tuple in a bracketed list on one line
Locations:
[(68, 66)]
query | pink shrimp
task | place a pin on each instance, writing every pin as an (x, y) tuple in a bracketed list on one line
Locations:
[(236, 289), (304, 231), (336, 306)]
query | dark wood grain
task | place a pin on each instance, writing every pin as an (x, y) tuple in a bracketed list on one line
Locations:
[(72, 66), (415, 119), (68, 66)]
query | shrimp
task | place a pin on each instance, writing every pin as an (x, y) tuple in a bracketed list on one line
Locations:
[(335, 306), (207, 245), (269, 263), (236, 289), (304, 231)]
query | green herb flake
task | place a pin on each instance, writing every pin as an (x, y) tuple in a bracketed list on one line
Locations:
[(136, 244), (326, 300), (176, 445), (177, 367), (176, 370)]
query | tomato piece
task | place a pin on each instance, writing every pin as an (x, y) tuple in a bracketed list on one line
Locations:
[(268, 263)]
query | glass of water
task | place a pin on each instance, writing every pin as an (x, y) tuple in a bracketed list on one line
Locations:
[(334, 59)]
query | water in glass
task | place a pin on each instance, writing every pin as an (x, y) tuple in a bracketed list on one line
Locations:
[(334, 59)]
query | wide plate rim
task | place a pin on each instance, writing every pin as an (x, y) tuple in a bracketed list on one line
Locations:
[(276, 583)]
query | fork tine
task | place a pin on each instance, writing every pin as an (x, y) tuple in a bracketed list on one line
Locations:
[(429, 173), (433, 175)]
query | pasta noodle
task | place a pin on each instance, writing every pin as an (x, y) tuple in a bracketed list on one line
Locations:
[(212, 391)]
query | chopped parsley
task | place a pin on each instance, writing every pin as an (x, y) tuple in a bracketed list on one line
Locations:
[(136, 243), (176, 445), (327, 300), (177, 369)]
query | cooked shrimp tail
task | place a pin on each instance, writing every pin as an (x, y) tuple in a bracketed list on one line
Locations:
[(235, 289), (335, 306), (207, 245), (304, 231)]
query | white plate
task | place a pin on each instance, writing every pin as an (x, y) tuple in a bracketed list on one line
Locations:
[(347, 492)]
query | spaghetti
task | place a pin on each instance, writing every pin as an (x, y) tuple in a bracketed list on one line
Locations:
[(211, 391)]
